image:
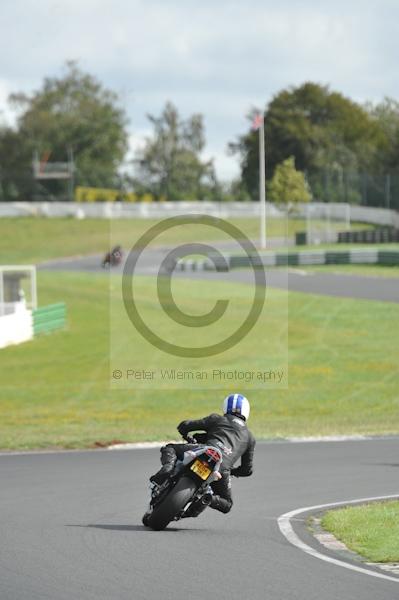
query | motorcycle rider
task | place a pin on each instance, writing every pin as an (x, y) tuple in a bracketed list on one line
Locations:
[(116, 252), (114, 257), (231, 435)]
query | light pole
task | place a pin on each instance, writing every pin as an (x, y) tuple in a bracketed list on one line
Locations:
[(259, 124)]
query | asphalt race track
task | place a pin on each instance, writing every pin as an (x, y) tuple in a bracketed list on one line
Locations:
[(71, 527), (330, 284)]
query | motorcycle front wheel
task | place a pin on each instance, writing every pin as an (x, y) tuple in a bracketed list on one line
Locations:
[(174, 502)]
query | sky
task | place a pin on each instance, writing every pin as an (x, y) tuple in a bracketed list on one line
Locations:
[(220, 58)]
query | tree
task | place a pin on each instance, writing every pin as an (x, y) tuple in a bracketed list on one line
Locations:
[(170, 166), (386, 113), (73, 112), (320, 128), (288, 186), (16, 179)]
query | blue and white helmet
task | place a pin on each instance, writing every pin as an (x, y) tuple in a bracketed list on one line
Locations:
[(236, 404)]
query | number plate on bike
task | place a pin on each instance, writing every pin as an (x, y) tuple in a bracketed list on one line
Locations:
[(200, 469)]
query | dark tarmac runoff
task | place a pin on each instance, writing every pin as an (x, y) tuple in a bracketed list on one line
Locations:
[(71, 527)]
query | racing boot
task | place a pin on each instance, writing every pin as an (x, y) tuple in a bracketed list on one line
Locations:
[(168, 460), (221, 504)]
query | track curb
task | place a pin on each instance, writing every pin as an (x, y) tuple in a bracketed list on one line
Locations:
[(333, 551)]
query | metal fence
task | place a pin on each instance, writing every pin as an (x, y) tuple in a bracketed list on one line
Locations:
[(357, 188)]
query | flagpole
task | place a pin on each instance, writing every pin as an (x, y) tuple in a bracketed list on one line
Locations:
[(262, 184)]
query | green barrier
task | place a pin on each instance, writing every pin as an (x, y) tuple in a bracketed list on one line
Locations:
[(300, 238), (286, 259), (250, 261), (311, 257), (49, 318), (385, 257), (239, 261), (44, 317), (293, 259), (337, 258)]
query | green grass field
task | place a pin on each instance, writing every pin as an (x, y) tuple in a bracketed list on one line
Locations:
[(343, 373), (31, 240), (371, 530)]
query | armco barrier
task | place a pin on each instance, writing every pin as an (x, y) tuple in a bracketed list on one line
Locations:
[(310, 257), (49, 318)]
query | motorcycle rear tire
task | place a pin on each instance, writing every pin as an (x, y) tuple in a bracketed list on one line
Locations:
[(165, 512)]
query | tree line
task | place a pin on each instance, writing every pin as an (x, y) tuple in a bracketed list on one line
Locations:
[(343, 149)]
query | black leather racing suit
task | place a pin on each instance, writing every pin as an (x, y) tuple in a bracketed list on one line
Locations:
[(229, 433)]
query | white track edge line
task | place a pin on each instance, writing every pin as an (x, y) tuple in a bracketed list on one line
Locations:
[(284, 523)]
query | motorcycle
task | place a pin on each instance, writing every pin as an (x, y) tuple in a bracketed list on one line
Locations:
[(183, 492), (113, 258)]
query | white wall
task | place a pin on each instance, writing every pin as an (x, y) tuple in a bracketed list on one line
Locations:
[(382, 216), (340, 211), (143, 210), (120, 210), (16, 328)]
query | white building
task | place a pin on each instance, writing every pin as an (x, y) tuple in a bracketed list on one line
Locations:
[(18, 298)]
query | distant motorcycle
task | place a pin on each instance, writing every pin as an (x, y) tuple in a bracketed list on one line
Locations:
[(113, 258), (183, 493)]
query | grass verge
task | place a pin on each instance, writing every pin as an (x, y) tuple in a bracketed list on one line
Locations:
[(371, 530), (343, 373), (31, 240)]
